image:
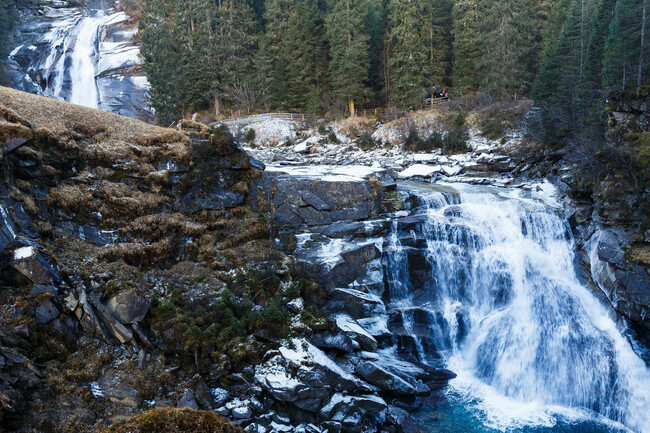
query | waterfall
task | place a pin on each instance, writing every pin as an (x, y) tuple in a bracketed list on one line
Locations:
[(85, 55), (84, 88), (503, 308), (70, 63)]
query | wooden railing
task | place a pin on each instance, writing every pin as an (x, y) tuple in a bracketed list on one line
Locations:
[(266, 116), (428, 103), (380, 113)]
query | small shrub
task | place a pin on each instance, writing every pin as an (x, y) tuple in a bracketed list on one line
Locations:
[(460, 120), (273, 312), (412, 141), (333, 138), (365, 141), (322, 130), (250, 135)]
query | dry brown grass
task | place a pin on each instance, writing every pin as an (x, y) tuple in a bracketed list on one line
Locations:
[(509, 112), (175, 421), (159, 225), (11, 116), (639, 253), (14, 130), (61, 116), (357, 125)]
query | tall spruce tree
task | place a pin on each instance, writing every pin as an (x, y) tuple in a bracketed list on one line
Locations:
[(466, 24), (436, 32), (375, 26), (408, 59), (163, 58), (507, 48), (349, 50), (625, 58), (296, 35)]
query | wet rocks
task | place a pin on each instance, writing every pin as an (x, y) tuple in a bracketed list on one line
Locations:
[(400, 421), (385, 380), (357, 333), (356, 303), (304, 375), (338, 340), (625, 283), (31, 264), (353, 412), (318, 201)]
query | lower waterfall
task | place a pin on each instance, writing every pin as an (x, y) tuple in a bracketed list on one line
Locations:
[(501, 305)]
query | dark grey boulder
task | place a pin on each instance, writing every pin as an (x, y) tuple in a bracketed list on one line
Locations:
[(609, 248), (315, 201), (401, 421), (360, 211), (356, 303), (313, 217), (333, 340), (45, 312), (187, 400), (128, 306), (354, 412), (30, 263), (286, 215), (384, 379)]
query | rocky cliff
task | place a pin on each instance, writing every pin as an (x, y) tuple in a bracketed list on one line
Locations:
[(112, 233)]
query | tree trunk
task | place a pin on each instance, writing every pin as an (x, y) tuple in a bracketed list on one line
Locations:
[(351, 106), (640, 72), (217, 105), (582, 36)]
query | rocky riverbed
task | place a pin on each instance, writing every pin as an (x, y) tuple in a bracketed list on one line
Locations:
[(612, 253)]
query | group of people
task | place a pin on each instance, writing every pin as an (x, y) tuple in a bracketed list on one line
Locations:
[(437, 94)]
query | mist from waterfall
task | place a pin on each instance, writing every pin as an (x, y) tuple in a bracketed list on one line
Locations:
[(507, 313)]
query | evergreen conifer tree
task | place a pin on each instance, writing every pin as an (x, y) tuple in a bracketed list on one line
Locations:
[(408, 58), (625, 58), (349, 50)]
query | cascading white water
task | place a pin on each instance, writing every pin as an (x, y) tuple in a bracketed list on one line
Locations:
[(84, 88), (509, 315)]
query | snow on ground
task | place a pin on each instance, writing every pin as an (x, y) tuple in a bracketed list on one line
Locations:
[(420, 170), (24, 253), (346, 173), (268, 132), (315, 153)]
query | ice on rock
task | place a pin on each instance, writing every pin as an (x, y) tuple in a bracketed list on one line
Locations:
[(420, 170)]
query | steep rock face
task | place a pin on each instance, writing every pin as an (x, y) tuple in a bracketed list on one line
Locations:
[(92, 218), (614, 230), (57, 48)]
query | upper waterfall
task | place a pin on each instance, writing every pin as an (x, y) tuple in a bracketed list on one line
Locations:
[(87, 56), (503, 307), (84, 88)]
